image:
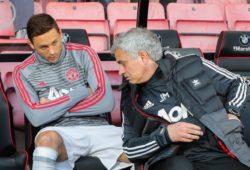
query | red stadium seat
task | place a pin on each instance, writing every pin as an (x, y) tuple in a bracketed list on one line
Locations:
[(6, 69), (124, 25), (37, 8), (112, 70), (225, 2), (122, 17), (83, 15), (12, 46), (9, 157), (185, 1), (6, 19), (238, 17), (43, 3), (199, 25)]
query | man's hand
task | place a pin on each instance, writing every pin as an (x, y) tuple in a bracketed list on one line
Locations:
[(231, 116), (184, 132), (90, 91), (123, 158), (43, 100)]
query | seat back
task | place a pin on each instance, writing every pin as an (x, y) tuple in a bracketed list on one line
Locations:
[(6, 69), (75, 36), (233, 52), (83, 15), (225, 2), (9, 157), (111, 68), (7, 144), (43, 3), (11, 46), (185, 1), (197, 25), (237, 16), (38, 8), (122, 16), (7, 18), (168, 38)]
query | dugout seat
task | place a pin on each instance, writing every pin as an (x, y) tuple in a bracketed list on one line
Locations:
[(79, 36), (7, 14), (10, 158), (197, 25), (83, 15), (122, 17), (237, 16), (168, 38), (225, 2), (233, 54), (37, 8)]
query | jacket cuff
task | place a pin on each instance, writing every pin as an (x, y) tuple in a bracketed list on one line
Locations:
[(233, 110), (162, 137)]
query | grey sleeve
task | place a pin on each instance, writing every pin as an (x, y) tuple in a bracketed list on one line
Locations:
[(39, 114), (231, 86), (102, 99)]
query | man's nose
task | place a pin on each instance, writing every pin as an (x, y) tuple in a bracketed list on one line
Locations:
[(51, 50), (121, 70)]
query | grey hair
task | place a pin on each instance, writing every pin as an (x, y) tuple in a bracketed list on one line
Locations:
[(136, 40)]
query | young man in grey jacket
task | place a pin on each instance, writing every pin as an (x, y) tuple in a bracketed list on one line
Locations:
[(63, 88)]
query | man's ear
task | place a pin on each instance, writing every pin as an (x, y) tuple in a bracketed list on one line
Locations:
[(60, 31), (144, 56), (30, 44)]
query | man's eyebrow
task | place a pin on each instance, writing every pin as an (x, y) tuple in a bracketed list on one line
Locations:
[(120, 61), (41, 46)]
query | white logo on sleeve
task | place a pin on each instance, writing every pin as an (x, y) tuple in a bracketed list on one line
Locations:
[(55, 94), (148, 105)]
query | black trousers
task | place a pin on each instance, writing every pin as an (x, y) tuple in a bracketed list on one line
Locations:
[(182, 163)]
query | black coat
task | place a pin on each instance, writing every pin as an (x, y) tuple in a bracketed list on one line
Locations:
[(206, 91)]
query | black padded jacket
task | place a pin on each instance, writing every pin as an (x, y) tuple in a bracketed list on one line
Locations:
[(207, 91)]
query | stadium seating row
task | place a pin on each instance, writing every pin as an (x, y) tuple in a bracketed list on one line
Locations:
[(231, 47), (198, 24)]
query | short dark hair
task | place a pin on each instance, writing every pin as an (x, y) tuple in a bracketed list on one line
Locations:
[(40, 24)]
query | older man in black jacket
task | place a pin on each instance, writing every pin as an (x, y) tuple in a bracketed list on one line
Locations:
[(180, 112)]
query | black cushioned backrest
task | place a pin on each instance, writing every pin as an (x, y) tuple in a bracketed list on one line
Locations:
[(168, 38), (7, 143), (75, 36), (233, 51)]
